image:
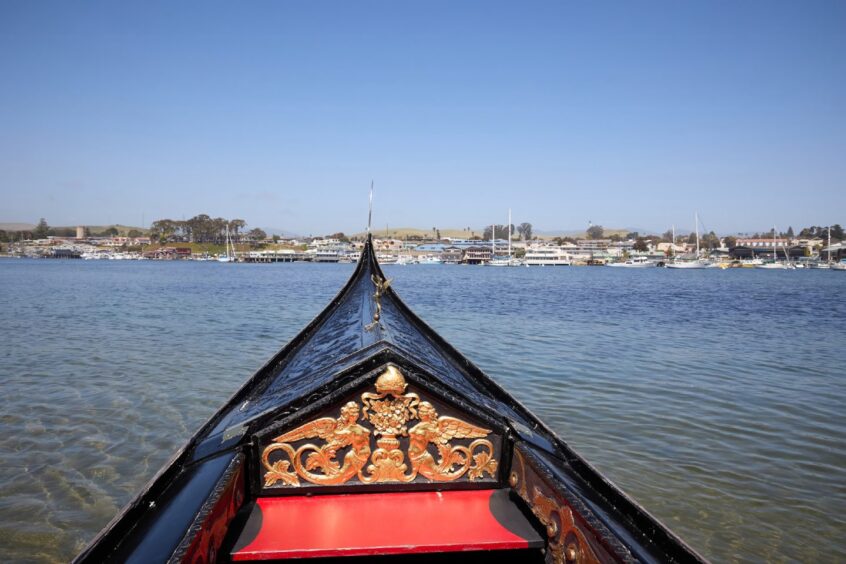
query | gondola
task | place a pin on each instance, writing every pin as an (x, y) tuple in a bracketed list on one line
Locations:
[(368, 437)]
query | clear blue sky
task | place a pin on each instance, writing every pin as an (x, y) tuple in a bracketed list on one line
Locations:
[(629, 114)]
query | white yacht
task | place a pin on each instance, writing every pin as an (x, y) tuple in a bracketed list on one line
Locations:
[(387, 259), (546, 256), (504, 261), (327, 255), (403, 260), (634, 262), (698, 263)]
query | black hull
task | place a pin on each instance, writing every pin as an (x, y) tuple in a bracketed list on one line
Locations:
[(187, 511)]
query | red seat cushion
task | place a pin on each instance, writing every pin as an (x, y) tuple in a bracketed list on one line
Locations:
[(383, 523)]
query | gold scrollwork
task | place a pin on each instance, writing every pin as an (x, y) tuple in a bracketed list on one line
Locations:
[(567, 543), (389, 411)]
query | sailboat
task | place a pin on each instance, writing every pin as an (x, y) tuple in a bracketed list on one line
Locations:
[(775, 265), (503, 261), (698, 262), (230, 249), (819, 264)]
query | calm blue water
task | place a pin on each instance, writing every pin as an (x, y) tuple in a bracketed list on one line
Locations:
[(716, 399)]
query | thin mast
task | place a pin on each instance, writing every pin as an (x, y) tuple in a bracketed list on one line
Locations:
[(673, 248), (696, 226), (370, 208), (509, 233), (493, 240), (829, 244)]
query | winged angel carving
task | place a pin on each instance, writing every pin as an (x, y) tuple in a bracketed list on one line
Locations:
[(389, 411), (440, 431), (338, 433)]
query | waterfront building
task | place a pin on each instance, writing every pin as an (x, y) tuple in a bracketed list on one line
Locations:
[(452, 255), (477, 255), (431, 248), (388, 244), (546, 255)]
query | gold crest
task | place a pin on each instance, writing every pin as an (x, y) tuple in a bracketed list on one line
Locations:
[(389, 411)]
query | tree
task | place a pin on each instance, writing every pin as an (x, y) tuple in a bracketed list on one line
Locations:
[(501, 232), (525, 231), (730, 242), (641, 245), (236, 225), (668, 236), (134, 233), (710, 241), (632, 235), (790, 232), (837, 232), (111, 232), (62, 231), (41, 229), (595, 232), (259, 235), (162, 229), (339, 236)]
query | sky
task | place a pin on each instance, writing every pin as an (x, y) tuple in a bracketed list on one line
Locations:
[(623, 114)]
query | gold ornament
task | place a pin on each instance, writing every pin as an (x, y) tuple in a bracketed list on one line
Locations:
[(389, 411)]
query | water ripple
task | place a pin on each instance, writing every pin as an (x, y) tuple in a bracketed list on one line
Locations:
[(715, 399)]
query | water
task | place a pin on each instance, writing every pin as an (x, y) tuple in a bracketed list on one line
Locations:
[(714, 398)]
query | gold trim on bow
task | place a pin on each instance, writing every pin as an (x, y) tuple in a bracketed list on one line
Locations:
[(389, 411)]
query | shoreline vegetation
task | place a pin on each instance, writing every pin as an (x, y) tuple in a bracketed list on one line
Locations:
[(205, 229), (204, 238)]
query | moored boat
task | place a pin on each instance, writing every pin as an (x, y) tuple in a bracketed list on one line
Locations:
[(634, 262), (546, 256), (689, 264), (369, 435)]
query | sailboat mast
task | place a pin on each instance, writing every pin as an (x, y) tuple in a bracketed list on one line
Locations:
[(696, 226), (493, 241), (509, 233), (829, 244)]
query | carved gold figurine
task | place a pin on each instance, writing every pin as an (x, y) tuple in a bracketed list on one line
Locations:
[(439, 431), (337, 433), (389, 411)]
